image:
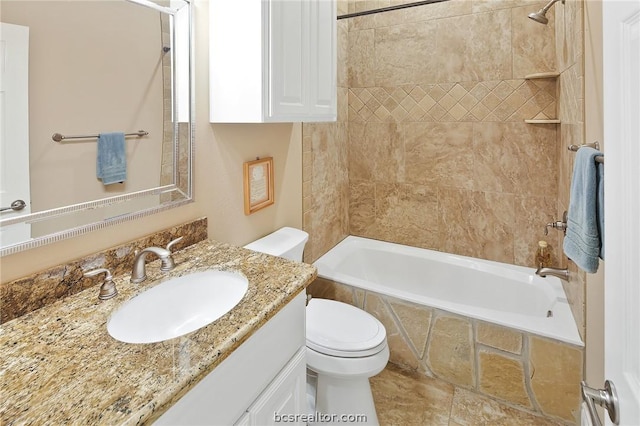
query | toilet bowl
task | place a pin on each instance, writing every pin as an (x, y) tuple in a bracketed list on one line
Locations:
[(345, 345)]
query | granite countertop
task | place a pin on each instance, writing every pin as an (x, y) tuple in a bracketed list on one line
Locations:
[(59, 364)]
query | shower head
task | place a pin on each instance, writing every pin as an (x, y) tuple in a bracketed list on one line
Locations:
[(540, 16)]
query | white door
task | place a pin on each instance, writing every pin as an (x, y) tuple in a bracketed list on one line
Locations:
[(621, 48), (14, 130)]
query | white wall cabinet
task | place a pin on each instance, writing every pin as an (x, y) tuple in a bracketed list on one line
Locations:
[(265, 375), (272, 61)]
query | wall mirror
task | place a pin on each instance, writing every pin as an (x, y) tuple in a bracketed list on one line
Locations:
[(80, 68)]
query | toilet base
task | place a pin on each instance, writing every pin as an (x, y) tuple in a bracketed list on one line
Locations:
[(342, 387), (347, 400)]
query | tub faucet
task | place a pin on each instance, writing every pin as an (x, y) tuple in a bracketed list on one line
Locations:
[(139, 272), (556, 272)]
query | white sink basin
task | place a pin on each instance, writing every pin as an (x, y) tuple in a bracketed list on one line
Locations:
[(177, 306)]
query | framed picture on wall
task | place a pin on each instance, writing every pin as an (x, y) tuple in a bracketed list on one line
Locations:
[(258, 184)]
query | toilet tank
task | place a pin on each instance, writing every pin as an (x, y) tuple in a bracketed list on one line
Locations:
[(285, 242)]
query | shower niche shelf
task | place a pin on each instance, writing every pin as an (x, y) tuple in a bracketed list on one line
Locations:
[(541, 75), (550, 121)]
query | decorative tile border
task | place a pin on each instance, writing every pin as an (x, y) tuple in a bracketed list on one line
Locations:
[(504, 100)]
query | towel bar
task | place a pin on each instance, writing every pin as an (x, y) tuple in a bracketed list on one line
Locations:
[(594, 145), (57, 137)]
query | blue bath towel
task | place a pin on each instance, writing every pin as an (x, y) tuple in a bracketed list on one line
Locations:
[(583, 242), (111, 161)]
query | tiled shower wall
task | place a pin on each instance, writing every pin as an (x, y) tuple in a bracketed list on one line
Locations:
[(325, 174), (433, 151), (569, 51), (439, 154), (434, 142)]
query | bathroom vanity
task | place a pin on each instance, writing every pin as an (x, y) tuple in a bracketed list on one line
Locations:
[(264, 377), (60, 365)]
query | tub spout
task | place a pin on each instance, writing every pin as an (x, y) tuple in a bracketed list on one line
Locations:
[(556, 272)]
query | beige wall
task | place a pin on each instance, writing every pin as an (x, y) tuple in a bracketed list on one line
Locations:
[(594, 369), (220, 152)]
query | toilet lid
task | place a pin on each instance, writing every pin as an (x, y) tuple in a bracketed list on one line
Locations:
[(338, 329)]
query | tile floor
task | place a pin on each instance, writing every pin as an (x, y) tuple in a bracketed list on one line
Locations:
[(408, 398)]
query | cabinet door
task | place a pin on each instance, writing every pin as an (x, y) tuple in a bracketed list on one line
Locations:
[(284, 400), (223, 395), (288, 59), (322, 61)]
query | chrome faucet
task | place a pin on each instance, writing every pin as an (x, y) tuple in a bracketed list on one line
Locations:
[(556, 272), (139, 272)]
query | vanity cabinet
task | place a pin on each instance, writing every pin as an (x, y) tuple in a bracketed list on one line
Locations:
[(272, 61), (285, 396), (263, 376)]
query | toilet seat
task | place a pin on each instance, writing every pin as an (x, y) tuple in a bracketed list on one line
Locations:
[(341, 330)]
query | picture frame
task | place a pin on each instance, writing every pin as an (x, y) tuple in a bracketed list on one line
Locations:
[(258, 184)]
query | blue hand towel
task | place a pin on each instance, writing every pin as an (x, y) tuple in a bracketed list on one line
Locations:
[(582, 243), (600, 203), (111, 162)]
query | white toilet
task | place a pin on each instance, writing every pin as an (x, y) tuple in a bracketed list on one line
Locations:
[(345, 345)]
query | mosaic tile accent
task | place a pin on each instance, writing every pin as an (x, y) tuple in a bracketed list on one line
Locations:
[(506, 100)]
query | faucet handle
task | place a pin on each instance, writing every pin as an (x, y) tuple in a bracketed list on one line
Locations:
[(108, 288), (560, 225), (167, 262), (173, 242)]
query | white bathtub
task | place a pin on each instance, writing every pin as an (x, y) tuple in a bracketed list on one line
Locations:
[(503, 294)]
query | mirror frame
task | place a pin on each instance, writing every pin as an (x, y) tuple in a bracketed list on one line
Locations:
[(168, 190)]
